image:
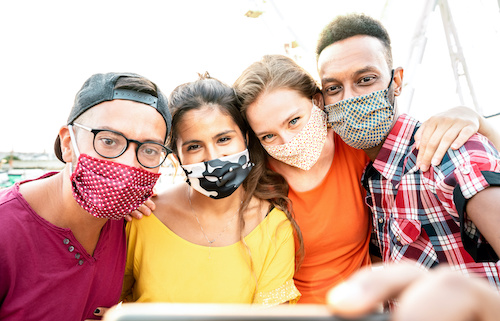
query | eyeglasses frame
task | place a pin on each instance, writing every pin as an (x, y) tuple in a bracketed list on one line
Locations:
[(138, 143)]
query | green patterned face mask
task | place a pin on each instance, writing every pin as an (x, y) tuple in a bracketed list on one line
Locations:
[(364, 121)]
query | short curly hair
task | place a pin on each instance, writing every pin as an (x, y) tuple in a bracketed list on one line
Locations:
[(354, 24)]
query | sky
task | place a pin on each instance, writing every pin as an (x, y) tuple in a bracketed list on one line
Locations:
[(49, 48)]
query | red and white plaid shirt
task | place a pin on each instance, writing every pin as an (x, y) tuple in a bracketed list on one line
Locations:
[(414, 212)]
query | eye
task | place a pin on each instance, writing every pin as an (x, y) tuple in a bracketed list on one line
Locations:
[(332, 90), (267, 138), (193, 147), (150, 150), (109, 141), (366, 80), (224, 139), (294, 121)]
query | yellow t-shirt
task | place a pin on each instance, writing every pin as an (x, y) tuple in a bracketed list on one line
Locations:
[(163, 267)]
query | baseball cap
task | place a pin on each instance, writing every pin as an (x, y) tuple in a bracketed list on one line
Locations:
[(100, 88)]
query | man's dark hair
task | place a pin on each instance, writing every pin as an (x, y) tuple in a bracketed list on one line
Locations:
[(347, 26), (138, 84)]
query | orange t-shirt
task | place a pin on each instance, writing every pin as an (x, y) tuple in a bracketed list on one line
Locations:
[(335, 224)]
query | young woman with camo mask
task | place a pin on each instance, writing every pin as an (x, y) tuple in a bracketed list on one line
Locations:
[(226, 235)]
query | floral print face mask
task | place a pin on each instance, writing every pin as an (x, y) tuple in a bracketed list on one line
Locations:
[(304, 149)]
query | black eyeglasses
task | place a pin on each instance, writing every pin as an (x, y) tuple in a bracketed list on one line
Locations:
[(111, 144)]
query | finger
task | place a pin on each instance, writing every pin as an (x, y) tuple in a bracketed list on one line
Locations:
[(425, 154), (99, 311), (451, 298), (144, 210), (442, 134), (463, 137), (128, 218), (454, 136), (447, 140), (368, 289), (427, 130), (150, 204), (418, 135), (136, 214)]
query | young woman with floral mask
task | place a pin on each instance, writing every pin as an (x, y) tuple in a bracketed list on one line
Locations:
[(284, 108), (227, 234)]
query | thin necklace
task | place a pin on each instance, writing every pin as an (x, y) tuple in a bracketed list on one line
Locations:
[(210, 242)]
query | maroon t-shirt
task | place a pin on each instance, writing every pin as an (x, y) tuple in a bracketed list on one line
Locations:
[(46, 274)]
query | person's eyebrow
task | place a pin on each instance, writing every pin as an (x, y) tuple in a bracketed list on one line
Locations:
[(286, 120), (192, 141), (229, 131), (197, 141), (328, 79), (159, 141), (366, 69), (354, 74)]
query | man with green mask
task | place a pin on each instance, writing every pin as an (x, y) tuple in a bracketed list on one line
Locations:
[(448, 214)]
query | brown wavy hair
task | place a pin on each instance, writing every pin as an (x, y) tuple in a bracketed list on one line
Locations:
[(270, 73), (262, 182)]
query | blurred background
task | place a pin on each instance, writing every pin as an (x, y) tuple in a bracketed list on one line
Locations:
[(448, 48)]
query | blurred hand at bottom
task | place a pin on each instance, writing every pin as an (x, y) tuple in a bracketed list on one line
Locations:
[(438, 295)]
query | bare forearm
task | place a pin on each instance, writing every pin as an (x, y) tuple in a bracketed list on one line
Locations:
[(487, 129)]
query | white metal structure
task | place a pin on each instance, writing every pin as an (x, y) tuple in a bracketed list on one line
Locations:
[(459, 65)]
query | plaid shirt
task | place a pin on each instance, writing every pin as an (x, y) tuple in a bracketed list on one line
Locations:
[(414, 212)]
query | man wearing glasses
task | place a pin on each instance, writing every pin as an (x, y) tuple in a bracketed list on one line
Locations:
[(62, 240)]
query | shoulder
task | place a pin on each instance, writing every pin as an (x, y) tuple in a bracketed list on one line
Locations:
[(7, 195), (477, 150), (275, 214), (466, 167), (480, 144), (168, 200), (277, 220), (17, 228), (13, 211)]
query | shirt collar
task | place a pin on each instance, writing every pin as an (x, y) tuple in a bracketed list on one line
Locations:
[(398, 154)]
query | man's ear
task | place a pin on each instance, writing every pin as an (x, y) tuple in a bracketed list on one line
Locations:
[(66, 147), (398, 81), (318, 100)]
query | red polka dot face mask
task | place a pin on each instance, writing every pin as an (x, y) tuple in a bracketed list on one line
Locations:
[(109, 189)]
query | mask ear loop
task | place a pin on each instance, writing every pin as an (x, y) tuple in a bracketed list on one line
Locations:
[(184, 170), (392, 78), (75, 147), (389, 87)]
